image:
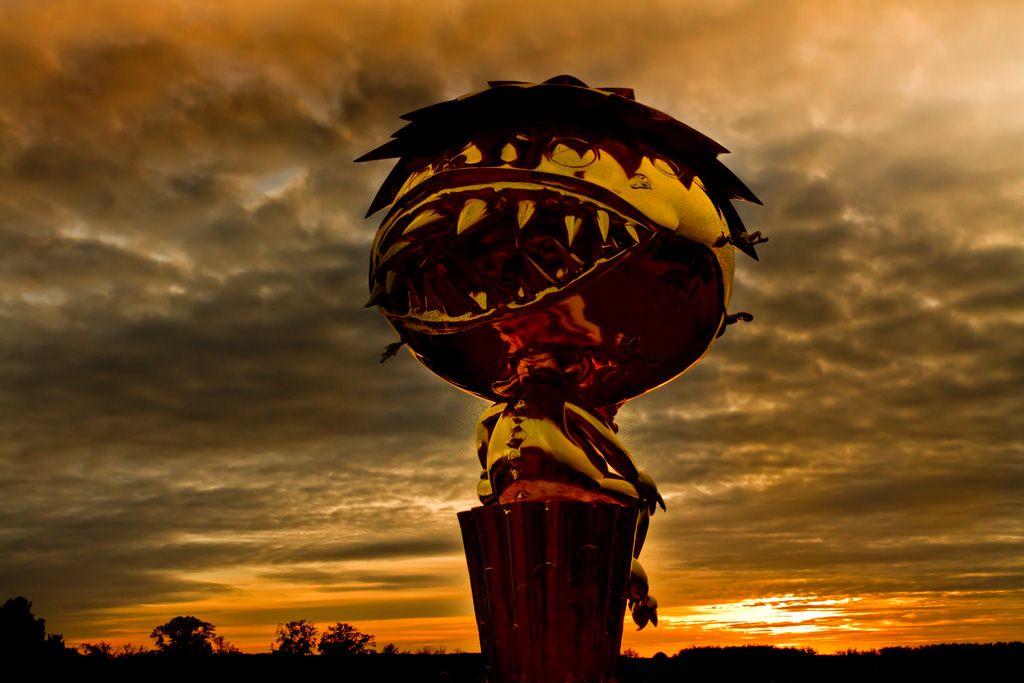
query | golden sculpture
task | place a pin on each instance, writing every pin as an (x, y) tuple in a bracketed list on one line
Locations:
[(559, 250)]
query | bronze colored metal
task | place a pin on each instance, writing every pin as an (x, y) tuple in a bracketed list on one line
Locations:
[(559, 250), (560, 599)]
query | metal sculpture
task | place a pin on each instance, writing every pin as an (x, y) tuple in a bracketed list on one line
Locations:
[(559, 250)]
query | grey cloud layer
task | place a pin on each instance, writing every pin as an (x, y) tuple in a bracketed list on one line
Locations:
[(189, 380)]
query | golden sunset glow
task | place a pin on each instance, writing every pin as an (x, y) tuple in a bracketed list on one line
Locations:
[(193, 419)]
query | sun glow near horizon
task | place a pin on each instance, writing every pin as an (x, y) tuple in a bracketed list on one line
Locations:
[(248, 619)]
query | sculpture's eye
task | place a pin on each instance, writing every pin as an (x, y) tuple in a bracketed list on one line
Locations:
[(666, 166), (571, 152), (640, 182)]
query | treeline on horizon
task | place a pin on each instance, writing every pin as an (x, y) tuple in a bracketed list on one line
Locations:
[(22, 634), (189, 641)]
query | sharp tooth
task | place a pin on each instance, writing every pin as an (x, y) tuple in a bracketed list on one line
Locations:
[(631, 229), (390, 254), (497, 295), (415, 301), (473, 212), (424, 218), (526, 209), (571, 261), (432, 253), (431, 301), (572, 227), (480, 298), (508, 153), (455, 304), (390, 280), (377, 294), (535, 276), (604, 223)]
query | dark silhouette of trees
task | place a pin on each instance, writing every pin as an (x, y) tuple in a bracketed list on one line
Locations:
[(295, 638), (391, 649), (21, 633), (223, 647), (344, 639), (129, 650), (184, 636), (24, 635), (100, 650), (104, 650), (55, 645)]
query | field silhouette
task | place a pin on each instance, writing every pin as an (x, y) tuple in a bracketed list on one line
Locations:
[(188, 649)]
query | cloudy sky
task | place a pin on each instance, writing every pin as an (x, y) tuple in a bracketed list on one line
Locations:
[(193, 419)]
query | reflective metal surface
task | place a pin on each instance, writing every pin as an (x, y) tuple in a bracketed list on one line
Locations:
[(548, 584), (559, 250)]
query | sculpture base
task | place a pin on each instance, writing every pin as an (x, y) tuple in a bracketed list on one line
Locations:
[(549, 584)]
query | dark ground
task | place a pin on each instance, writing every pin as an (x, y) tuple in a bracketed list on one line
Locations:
[(992, 663)]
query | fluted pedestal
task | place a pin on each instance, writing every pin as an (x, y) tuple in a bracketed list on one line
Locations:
[(549, 587)]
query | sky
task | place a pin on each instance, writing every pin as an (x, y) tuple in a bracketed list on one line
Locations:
[(193, 419)]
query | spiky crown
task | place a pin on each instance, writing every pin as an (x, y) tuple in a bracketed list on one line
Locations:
[(561, 103)]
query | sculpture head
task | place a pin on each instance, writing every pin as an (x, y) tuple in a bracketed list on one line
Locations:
[(555, 233)]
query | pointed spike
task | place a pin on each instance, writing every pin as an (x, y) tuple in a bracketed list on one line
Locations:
[(508, 153), (538, 279), (390, 254), (454, 302), (390, 280), (572, 227), (473, 211), (572, 262), (496, 293), (424, 218), (604, 223), (415, 300), (431, 301), (526, 209), (480, 298), (377, 294), (631, 229)]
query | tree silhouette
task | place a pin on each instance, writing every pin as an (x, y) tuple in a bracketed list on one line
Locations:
[(184, 636), (55, 646), (295, 638), (21, 633), (223, 647), (344, 639), (100, 650)]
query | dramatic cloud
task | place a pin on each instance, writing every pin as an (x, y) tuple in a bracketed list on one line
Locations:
[(193, 419)]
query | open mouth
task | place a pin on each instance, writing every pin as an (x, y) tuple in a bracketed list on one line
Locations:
[(462, 252)]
